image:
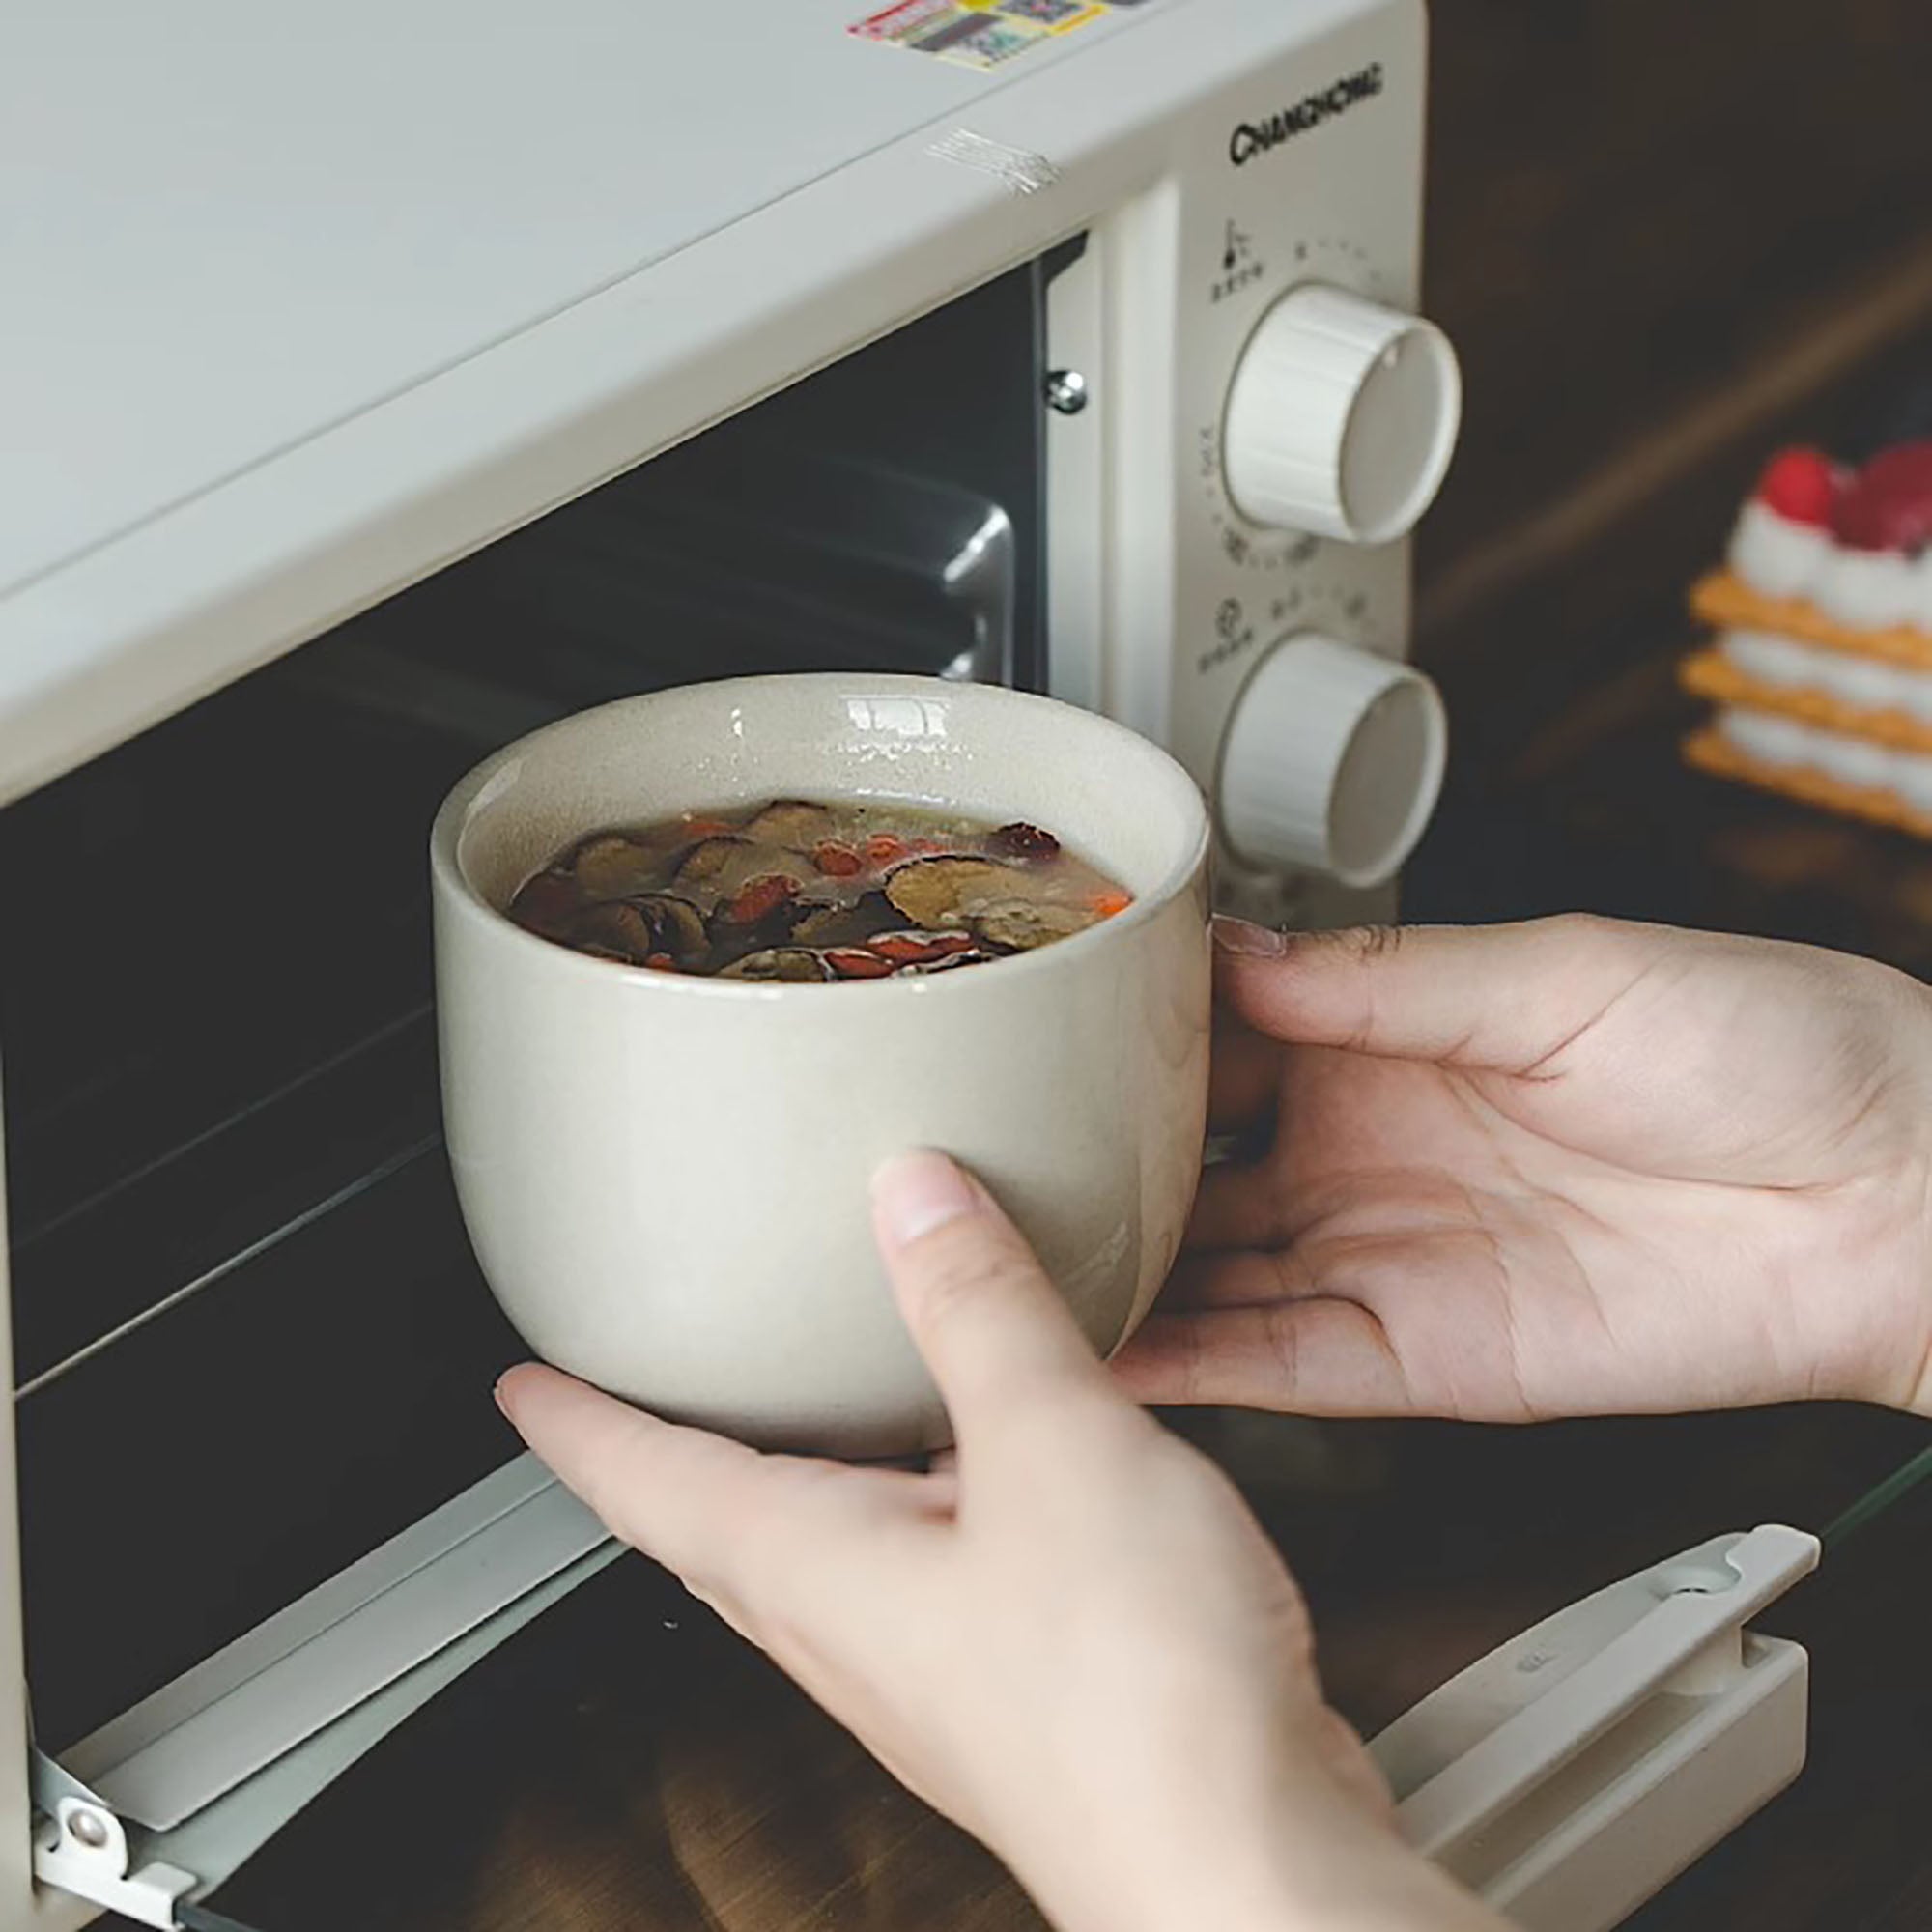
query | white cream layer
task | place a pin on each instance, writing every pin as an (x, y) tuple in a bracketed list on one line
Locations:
[(1786, 743), (1867, 682), (1867, 590)]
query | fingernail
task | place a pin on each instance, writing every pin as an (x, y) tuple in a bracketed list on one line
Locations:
[(502, 1381), (918, 1192), (1250, 942)]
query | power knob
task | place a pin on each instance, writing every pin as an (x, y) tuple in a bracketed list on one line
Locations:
[(1341, 418), (1332, 761)]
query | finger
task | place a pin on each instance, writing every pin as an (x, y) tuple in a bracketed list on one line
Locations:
[(1321, 1356), (992, 1328), (704, 1506), (1506, 999), (1243, 1073)]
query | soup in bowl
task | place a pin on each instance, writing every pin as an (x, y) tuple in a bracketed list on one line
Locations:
[(663, 1157)]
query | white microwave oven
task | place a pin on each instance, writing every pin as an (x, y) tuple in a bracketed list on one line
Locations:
[(380, 381)]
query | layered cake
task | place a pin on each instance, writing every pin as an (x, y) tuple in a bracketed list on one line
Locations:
[(1821, 664)]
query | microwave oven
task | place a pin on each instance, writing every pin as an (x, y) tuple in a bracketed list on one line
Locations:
[(383, 383)]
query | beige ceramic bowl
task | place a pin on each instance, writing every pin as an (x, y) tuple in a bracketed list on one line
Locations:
[(666, 1178)]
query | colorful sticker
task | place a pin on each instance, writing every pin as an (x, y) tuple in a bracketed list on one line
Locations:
[(981, 33)]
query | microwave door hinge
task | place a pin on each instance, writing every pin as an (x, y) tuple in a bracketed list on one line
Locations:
[(1572, 1773), (191, 1783), (81, 1847)]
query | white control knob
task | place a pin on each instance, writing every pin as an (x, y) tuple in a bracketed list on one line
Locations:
[(1341, 418), (1332, 761)]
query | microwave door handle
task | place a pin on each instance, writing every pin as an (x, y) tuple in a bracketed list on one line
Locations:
[(1572, 1773)]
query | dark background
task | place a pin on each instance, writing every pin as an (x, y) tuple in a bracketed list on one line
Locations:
[(1664, 239)]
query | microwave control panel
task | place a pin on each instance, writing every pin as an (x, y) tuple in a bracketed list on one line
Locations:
[(1261, 418)]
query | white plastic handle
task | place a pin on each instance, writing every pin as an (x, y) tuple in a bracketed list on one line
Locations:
[(1692, 1608), (1572, 1773)]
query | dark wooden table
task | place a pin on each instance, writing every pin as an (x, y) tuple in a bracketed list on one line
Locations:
[(626, 1763)]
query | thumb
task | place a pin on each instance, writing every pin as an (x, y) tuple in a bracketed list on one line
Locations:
[(993, 1329), (1503, 999)]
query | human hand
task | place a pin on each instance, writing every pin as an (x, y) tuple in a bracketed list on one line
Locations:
[(1567, 1167), (1075, 1641)]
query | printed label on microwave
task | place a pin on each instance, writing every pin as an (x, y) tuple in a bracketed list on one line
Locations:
[(982, 34)]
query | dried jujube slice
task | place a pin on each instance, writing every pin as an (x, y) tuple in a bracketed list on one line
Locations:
[(839, 924), (779, 962), (621, 929), (792, 822), (709, 857), (677, 923), (933, 892), (546, 904), (610, 866), (1024, 841)]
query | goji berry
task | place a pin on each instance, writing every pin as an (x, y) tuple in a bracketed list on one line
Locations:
[(851, 962), (838, 861), (758, 896), (918, 949)]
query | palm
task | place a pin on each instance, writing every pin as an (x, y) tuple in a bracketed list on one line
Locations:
[(1652, 1203)]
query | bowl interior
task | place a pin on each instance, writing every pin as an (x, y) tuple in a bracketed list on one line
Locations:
[(979, 750)]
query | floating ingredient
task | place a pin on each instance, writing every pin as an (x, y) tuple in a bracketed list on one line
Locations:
[(612, 866), (796, 963), (800, 891), (930, 892)]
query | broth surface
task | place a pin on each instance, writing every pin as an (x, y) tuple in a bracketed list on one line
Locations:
[(799, 889)]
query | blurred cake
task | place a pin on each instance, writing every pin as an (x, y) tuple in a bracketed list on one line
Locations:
[(1820, 665)]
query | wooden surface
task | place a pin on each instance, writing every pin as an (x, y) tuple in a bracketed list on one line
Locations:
[(625, 1763)]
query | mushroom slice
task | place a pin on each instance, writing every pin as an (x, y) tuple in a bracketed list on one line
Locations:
[(619, 928), (779, 962), (819, 923), (1021, 925), (792, 822), (677, 923), (546, 904), (933, 892), (612, 866), (709, 857)]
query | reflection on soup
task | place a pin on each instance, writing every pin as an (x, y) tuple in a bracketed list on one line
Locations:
[(795, 890)]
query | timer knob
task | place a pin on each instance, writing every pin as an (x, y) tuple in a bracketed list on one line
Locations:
[(1332, 761), (1340, 418)]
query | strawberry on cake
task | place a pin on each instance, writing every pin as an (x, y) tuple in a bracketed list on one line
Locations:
[(1822, 664)]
